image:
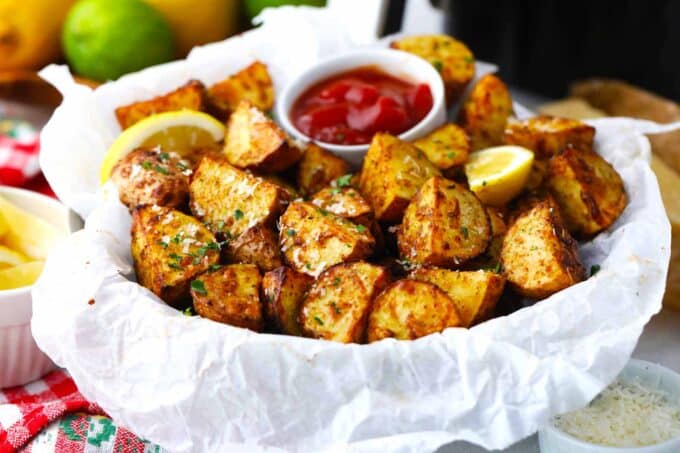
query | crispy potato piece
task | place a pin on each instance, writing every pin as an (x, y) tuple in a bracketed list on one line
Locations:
[(255, 142), (444, 225), (284, 290), (548, 135), (410, 309), (230, 295), (169, 249), (539, 256), (537, 175), (318, 168), (290, 190), (190, 96), (230, 201), (446, 146), (392, 173), (345, 202), (258, 245), (312, 239), (251, 83), (450, 57), (486, 110), (588, 189), (337, 306), (475, 293)]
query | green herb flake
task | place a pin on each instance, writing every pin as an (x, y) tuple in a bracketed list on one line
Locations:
[(146, 165), (335, 308), (438, 65), (163, 244), (323, 212), (198, 287), (335, 190), (177, 238), (361, 228), (336, 281), (182, 166), (164, 156), (308, 266), (161, 170), (469, 59), (451, 155), (317, 319), (215, 267), (344, 181), (220, 225), (465, 232), (188, 311), (484, 183), (238, 214), (594, 269), (290, 232), (174, 266)]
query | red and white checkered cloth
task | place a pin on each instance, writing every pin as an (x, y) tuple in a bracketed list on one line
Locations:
[(19, 150)]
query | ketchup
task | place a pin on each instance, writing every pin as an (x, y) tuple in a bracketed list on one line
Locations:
[(349, 108)]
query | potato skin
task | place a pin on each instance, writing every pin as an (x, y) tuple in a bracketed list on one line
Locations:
[(446, 146), (345, 202), (283, 291), (312, 239), (230, 295), (153, 177), (539, 257), (410, 309), (588, 189), (252, 83), (258, 245), (337, 306), (392, 173), (317, 168), (548, 135), (485, 112), (475, 293), (170, 248), (190, 96), (444, 225)]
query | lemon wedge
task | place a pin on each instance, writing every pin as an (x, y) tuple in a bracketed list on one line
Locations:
[(21, 275), (498, 174), (178, 131), (9, 257)]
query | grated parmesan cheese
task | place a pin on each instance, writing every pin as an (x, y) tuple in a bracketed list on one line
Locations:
[(625, 414)]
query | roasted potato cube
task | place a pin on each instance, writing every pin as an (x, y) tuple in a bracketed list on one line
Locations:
[(291, 192), (258, 245), (485, 112), (337, 306), (450, 57), (392, 173), (410, 309), (446, 146), (190, 96), (230, 201), (491, 257), (151, 176), (313, 239), (589, 191), (475, 293), (284, 290), (539, 256), (548, 135), (444, 225), (252, 84), (345, 202), (169, 249), (230, 295), (318, 168)]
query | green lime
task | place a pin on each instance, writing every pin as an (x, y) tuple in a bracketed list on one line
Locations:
[(253, 7), (104, 39)]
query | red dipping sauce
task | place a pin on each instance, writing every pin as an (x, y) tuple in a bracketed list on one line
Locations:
[(349, 108)]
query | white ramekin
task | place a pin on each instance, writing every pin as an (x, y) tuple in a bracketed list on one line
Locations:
[(21, 360), (394, 62), (553, 440)]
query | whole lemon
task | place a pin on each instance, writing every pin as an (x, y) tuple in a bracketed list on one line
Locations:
[(29, 32), (104, 39), (253, 7)]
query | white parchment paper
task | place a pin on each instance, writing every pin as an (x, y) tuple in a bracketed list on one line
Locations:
[(190, 384)]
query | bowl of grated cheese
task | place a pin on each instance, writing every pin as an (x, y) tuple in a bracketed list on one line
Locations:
[(638, 413)]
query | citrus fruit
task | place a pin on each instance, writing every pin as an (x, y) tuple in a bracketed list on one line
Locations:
[(9, 257), (254, 7), (105, 39), (24, 274), (178, 131), (498, 174)]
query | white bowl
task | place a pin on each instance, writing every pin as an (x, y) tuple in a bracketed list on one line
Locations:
[(553, 440), (21, 360), (399, 64)]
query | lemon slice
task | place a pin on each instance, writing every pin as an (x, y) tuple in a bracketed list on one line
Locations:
[(174, 131), (9, 257), (498, 174), (21, 275)]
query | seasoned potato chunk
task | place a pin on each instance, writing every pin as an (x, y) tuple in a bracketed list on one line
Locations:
[(337, 306), (252, 84), (190, 96), (230, 295), (284, 290), (444, 225), (475, 293), (589, 191), (230, 201), (291, 192), (392, 173), (547, 135), (169, 249), (318, 168), (410, 309), (485, 112), (256, 142), (539, 256), (450, 57), (151, 176), (345, 202), (446, 146), (258, 245), (313, 239)]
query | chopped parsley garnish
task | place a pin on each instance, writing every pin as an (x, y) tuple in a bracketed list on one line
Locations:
[(198, 287), (335, 190), (335, 307), (238, 214), (175, 266), (161, 170), (465, 232), (163, 244), (317, 319), (177, 238), (343, 181), (336, 281), (323, 212), (469, 59), (165, 156), (188, 311), (451, 155), (484, 183), (594, 269), (361, 228), (438, 65), (290, 232), (215, 267), (146, 165), (181, 166), (308, 266), (220, 225), (212, 245)]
